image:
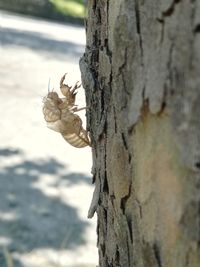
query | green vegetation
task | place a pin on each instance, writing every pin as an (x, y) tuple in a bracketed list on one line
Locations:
[(74, 8)]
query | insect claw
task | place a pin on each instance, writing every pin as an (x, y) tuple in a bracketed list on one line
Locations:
[(78, 109), (76, 86), (62, 79)]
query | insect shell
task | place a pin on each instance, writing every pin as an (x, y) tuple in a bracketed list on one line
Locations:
[(59, 113)]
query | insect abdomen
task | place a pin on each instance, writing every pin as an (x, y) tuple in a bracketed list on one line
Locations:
[(78, 141)]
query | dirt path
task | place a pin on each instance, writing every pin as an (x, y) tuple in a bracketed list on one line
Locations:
[(45, 183)]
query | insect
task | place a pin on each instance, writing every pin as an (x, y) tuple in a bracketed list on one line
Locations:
[(59, 113)]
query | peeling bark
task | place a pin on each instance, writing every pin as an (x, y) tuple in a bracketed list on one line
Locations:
[(141, 76)]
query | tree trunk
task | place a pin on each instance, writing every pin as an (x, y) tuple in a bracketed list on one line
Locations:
[(141, 74)]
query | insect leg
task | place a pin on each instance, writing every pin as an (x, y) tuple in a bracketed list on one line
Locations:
[(78, 109)]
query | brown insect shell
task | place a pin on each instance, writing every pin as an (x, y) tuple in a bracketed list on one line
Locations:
[(60, 117), (57, 126), (76, 140), (53, 96), (65, 127), (66, 104), (50, 109), (65, 89), (73, 122), (84, 135), (68, 92), (70, 97)]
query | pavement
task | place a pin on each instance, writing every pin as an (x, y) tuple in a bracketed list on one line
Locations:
[(46, 186)]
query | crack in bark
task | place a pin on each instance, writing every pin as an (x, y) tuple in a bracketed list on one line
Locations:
[(94, 5), (166, 13), (125, 199), (143, 93), (123, 65), (115, 118), (117, 256), (157, 254), (107, 8), (98, 16), (197, 29), (105, 184), (162, 22), (199, 224), (124, 141), (121, 68), (120, 72), (95, 199), (140, 207), (102, 102), (164, 101), (108, 52), (128, 252), (171, 9), (129, 223), (105, 180), (103, 249), (169, 65), (137, 16), (197, 165)]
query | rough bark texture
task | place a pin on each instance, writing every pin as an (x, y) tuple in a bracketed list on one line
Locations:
[(141, 74)]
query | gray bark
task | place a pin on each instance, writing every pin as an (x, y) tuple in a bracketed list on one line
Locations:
[(141, 74)]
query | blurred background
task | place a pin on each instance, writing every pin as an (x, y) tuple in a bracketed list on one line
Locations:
[(46, 185), (63, 10)]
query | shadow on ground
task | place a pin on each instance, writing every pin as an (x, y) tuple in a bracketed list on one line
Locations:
[(30, 218), (40, 43)]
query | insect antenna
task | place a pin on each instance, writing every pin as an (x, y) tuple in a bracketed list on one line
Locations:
[(49, 84), (49, 87)]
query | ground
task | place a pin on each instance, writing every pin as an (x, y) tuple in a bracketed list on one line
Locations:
[(45, 183)]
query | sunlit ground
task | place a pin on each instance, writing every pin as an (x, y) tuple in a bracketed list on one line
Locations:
[(46, 186)]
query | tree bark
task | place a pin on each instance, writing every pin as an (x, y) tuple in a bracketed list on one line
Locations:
[(141, 74)]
